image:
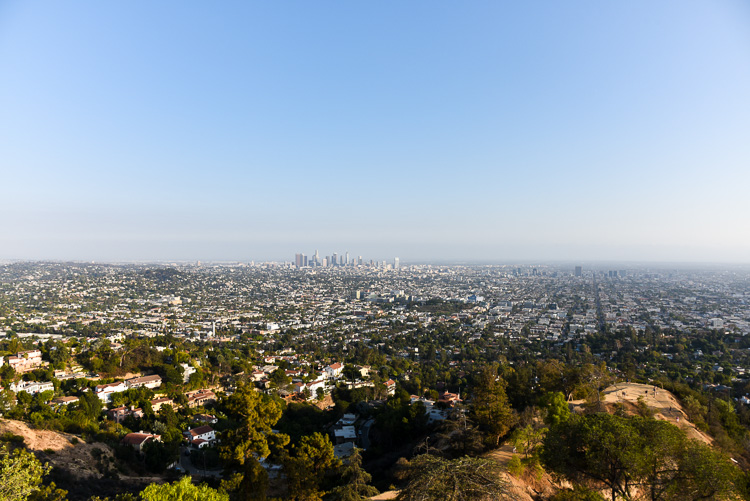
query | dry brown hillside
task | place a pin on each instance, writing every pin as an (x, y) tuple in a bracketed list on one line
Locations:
[(79, 459), (662, 402)]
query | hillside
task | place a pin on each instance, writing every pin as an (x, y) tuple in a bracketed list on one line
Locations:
[(664, 405), (77, 465)]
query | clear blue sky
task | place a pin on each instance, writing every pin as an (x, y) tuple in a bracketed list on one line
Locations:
[(575, 130)]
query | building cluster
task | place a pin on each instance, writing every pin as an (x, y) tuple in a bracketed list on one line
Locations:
[(336, 260)]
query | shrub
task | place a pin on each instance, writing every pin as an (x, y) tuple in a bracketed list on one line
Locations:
[(515, 466)]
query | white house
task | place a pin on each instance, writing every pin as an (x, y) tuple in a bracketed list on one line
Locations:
[(334, 370), (312, 386), (187, 371), (201, 436), (105, 391), (147, 381), (345, 434), (32, 387)]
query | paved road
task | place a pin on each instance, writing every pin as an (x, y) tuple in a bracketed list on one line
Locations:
[(187, 466), (364, 436)]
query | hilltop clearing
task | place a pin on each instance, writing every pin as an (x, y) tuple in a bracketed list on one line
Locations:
[(663, 403)]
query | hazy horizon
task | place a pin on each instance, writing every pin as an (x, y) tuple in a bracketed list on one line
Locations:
[(431, 131)]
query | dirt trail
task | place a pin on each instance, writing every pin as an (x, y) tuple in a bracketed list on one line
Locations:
[(502, 455), (386, 495)]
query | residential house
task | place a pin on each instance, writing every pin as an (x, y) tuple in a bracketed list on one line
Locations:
[(200, 437), (333, 371), (345, 434), (118, 414), (139, 440), (32, 387), (64, 400), (206, 418), (25, 361), (311, 386), (158, 403), (200, 397), (105, 391), (390, 387), (144, 381)]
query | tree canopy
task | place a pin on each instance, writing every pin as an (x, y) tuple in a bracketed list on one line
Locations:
[(628, 456), (182, 490)]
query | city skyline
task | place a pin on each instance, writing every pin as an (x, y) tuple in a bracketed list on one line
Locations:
[(429, 131)]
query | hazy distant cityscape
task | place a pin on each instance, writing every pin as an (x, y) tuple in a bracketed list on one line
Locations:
[(366, 251)]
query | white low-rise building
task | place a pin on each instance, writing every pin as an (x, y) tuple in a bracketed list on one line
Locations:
[(201, 436), (105, 391), (187, 371), (32, 387), (334, 370), (144, 381)]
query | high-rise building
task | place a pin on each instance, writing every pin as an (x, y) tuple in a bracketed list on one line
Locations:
[(298, 260), (396, 263), (359, 260), (334, 259), (579, 271), (347, 258)]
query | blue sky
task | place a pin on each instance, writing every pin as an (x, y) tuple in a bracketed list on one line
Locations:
[(424, 129)]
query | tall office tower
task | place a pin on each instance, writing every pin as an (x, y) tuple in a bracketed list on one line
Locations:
[(325, 262), (396, 264), (359, 260), (346, 262), (316, 258), (298, 260), (334, 259), (304, 260), (579, 271)]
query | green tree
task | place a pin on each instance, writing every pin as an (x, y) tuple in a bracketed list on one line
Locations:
[(628, 455), (463, 479), (706, 474), (356, 481), (558, 410), (49, 493), (279, 379), (182, 490), (528, 439), (20, 474), (251, 439), (490, 406), (596, 447), (307, 466)]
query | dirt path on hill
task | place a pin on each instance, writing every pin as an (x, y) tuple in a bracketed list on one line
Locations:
[(502, 455)]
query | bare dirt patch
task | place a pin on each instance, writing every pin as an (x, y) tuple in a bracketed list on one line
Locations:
[(662, 402)]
